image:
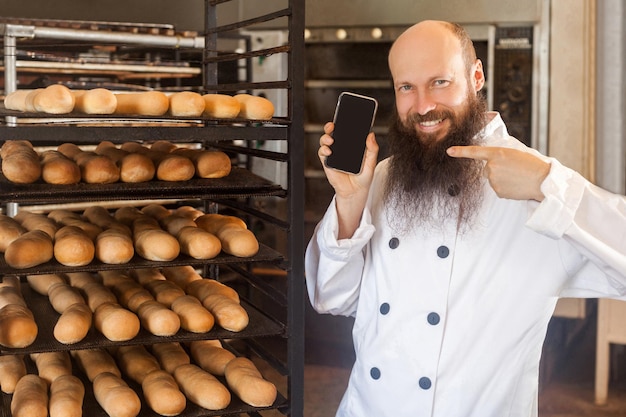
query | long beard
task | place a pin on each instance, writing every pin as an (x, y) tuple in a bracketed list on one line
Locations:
[(426, 187)]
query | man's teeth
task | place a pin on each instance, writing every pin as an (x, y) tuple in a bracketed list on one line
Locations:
[(431, 123)]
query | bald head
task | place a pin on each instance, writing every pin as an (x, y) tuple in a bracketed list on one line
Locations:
[(435, 33)]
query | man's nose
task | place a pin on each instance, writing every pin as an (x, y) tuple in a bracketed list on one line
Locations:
[(423, 103)]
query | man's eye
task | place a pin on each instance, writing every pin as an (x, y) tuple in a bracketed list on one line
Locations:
[(440, 83), (404, 88)]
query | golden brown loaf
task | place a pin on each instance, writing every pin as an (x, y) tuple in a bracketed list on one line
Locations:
[(57, 168), (221, 106), (33, 248), (244, 378), (147, 103), (73, 324), (115, 397), (255, 107), (94, 362), (236, 238), (170, 355), (186, 104), (73, 247), (12, 368), (10, 230), (202, 388), (30, 398), (67, 393), (211, 356), (20, 162), (51, 365), (54, 99), (194, 317), (162, 393), (94, 101)]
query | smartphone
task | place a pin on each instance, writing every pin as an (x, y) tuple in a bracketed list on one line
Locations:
[(354, 118)]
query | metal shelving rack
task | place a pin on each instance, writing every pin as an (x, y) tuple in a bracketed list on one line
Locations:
[(275, 299)]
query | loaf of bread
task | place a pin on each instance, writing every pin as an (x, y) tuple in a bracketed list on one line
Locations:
[(202, 388), (95, 293), (73, 247), (54, 99), (211, 356), (12, 368), (115, 322), (114, 247), (188, 211), (174, 223), (186, 104), (57, 168), (30, 398), (73, 324), (208, 163), (254, 107), (170, 355), (136, 362), (181, 275), (94, 362), (145, 103), (165, 292), (94, 101), (245, 380), (41, 283), (65, 217), (20, 162), (158, 211), (62, 296), (169, 167), (94, 168), (115, 397), (221, 106), (162, 394), (18, 328), (101, 217), (134, 167), (194, 317), (152, 242), (201, 289), (10, 230), (29, 100), (37, 221), (16, 100), (235, 237), (228, 314), (158, 319), (51, 365), (30, 249), (67, 394)]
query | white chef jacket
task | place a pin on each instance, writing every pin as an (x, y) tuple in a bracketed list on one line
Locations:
[(452, 325)]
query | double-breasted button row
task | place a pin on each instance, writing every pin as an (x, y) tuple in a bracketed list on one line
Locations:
[(424, 382)]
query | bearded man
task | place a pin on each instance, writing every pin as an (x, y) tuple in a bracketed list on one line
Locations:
[(452, 253)]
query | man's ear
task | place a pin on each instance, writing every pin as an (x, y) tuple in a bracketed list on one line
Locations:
[(478, 75)]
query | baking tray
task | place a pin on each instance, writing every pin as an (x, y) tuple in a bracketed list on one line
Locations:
[(239, 183)]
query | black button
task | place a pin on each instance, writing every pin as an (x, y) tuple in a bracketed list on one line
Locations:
[(454, 190), (425, 383), (443, 251), (394, 242), (384, 308), (375, 373), (433, 318)]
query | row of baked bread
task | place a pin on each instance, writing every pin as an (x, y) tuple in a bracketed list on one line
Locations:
[(131, 162), (59, 99), (153, 232), (118, 303), (169, 374)]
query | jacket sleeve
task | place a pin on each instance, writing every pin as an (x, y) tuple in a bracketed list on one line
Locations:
[(334, 267), (588, 217)]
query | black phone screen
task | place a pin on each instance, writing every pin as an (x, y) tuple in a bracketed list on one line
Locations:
[(354, 117)]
